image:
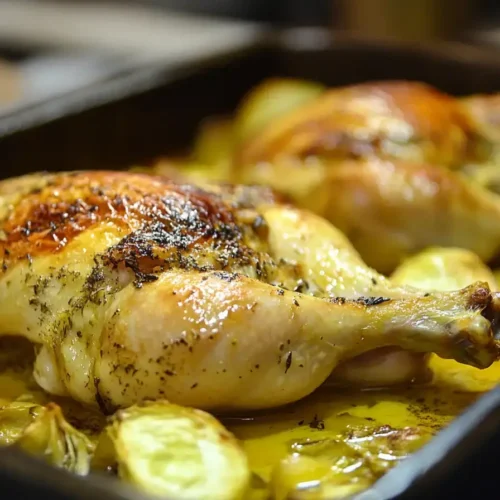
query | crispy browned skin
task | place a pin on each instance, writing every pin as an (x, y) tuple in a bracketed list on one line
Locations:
[(174, 216), (133, 287), (404, 120)]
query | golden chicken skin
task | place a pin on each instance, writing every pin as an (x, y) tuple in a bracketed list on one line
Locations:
[(387, 120), (132, 287)]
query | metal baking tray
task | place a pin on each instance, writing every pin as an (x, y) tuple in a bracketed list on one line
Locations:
[(153, 111), (42, 74)]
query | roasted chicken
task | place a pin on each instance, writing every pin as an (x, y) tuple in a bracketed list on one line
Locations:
[(389, 120), (381, 162), (132, 287)]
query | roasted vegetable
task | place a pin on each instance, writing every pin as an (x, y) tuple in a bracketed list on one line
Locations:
[(165, 449), (339, 466), (486, 175), (14, 418), (214, 142), (443, 269), (302, 477), (269, 100), (53, 439)]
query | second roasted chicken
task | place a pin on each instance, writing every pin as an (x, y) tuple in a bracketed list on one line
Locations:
[(382, 162), (133, 287)]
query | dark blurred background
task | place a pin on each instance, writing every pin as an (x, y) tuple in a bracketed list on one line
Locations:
[(51, 47), (318, 12)]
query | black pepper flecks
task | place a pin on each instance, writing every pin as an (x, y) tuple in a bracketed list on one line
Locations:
[(338, 300), (372, 301)]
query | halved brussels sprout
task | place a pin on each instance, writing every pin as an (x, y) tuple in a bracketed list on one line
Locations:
[(169, 450), (269, 100), (339, 466), (486, 174), (306, 478), (54, 440), (15, 418), (443, 269)]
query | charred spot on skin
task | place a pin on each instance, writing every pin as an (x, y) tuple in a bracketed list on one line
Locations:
[(480, 298), (338, 300), (144, 278), (372, 301), (280, 291), (296, 302), (225, 276), (288, 362)]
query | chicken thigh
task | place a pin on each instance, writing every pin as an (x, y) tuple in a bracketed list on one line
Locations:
[(133, 287)]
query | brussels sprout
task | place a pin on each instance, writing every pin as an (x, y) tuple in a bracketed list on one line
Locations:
[(443, 269), (14, 418), (169, 450), (306, 478), (486, 174), (53, 439), (339, 466), (269, 100)]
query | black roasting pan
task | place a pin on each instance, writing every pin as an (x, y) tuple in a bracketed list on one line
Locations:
[(151, 111)]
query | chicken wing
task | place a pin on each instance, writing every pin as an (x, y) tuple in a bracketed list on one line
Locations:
[(132, 287)]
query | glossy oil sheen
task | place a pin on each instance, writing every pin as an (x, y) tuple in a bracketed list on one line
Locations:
[(269, 437)]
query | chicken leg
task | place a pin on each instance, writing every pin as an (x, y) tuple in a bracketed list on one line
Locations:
[(132, 287), (438, 269)]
